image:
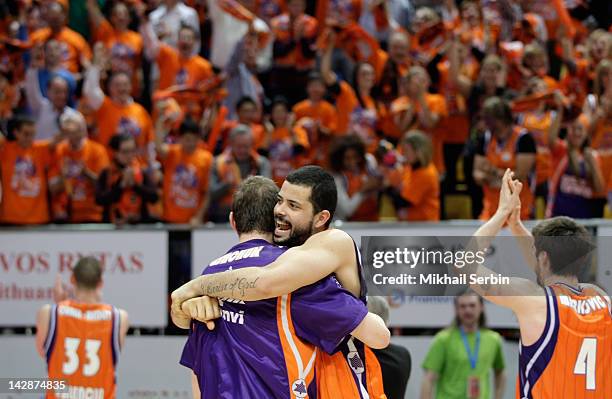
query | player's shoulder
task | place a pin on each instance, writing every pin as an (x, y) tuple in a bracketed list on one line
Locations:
[(334, 238)]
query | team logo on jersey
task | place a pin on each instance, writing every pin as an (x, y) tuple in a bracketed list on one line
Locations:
[(299, 388), (355, 362), (128, 126), (24, 180), (181, 77)]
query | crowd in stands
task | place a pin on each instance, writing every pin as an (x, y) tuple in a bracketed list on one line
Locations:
[(135, 111)]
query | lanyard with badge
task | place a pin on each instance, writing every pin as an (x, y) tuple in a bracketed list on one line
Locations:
[(473, 382)]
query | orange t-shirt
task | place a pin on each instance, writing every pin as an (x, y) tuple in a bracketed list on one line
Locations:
[(24, 183), (185, 182), (457, 125), (321, 111), (283, 32), (175, 70), (368, 209), (74, 46), (437, 105), (130, 119), (420, 187), (78, 201), (346, 101), (504, 157), (83, 347), (125, 47), (602, 142), (538, 124)]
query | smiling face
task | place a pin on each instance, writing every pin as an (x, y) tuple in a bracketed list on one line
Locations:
[(294, 215)]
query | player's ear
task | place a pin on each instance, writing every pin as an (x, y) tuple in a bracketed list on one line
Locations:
[(232, 222), (73, 280), (322, 218)]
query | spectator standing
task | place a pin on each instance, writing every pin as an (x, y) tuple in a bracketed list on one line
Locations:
[(117, 113), (357, 180), (576, 174), (72, 181), (395, 361), (415, 187), (186, 174), (169, 17), (293, 51), (504, 145), (24, 164), (46, 110), (237, 162), (124, 189), (461, 357), (74, 47)]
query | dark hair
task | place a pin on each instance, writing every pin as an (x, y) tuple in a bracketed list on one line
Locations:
[(19, 121), (188, 27), (498, 109), (115, 142), (189, 126), (55, 77), (87, 273), (244, 100), (253, 205), (567, 243), (482, 320), (324, 195), (341, 146), (315, 76), (279, 100)]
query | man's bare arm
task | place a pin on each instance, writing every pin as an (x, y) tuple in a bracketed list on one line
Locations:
[(519, 291), (321, 255), (42, 328), (373, 332)]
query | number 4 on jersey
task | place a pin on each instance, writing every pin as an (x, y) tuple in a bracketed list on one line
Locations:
[(586, 362)]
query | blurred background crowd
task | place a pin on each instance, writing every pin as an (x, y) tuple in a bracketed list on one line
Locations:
[(135, 111)]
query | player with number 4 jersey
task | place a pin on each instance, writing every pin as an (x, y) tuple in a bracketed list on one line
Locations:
[(565, 325), (573, 358), (81, 338)]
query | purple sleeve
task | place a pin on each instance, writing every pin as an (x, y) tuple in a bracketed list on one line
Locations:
[(189, 350), (324, 314)]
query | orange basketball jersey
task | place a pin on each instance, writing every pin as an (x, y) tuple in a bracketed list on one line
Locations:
[(82, 348), (572, 358)]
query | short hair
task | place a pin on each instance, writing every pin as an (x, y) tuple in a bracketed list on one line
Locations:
[(115, 142), (315, 76), (189, 126), (244, 100), (87, 273), (324, 194), (240, 130), (499, 109), (341, 146), (189, 28), (21, 120), (253, 205), (279, 100), (567, 243), (422, 145), (57, 77), (379, 306), (73, 116)]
